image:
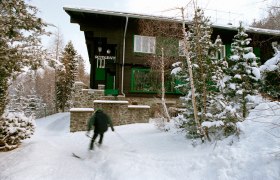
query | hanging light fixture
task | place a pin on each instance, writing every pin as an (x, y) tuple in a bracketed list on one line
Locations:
[(99, 48), (108, 51)]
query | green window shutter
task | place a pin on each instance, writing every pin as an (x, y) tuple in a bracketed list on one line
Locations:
[(228, 48), (142, 80)]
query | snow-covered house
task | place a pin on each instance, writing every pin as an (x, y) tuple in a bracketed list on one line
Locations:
[(117, 51)]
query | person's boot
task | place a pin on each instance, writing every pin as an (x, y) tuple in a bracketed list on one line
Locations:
[(91, 147)]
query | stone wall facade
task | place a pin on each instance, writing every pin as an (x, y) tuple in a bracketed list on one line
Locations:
[(79, 118), (117, 110), (83, 98), (120, 112), (138, 113)]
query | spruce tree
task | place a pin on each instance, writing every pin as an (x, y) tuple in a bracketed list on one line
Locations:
[(80, 69), (19, 47), (199, 35), (208, 67), (19, 41), (199, 50), (66, 76), (243, 73)]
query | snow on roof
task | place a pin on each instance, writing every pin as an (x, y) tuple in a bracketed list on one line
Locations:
[(81, 109), (116, 13), (139, 106), (164, 18)]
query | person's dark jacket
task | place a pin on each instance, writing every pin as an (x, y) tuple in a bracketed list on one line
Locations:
[(100, 122)]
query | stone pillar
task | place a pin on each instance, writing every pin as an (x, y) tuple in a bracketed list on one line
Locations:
[(138, 113), (79, 118), (115, 109)]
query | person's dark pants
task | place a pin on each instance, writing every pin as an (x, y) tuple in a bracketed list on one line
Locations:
[(94, 137)]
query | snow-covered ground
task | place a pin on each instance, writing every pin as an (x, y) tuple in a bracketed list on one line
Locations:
[(142, 152)]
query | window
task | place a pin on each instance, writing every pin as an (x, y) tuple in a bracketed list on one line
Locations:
[(144, 44), (181, 48)]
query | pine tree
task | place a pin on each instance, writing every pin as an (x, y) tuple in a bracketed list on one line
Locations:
[(199, 42), (19, 47), (54, 65), (197, 36), (66, 76), (243, 73), (19, 41), (208, 75), (80, 69)]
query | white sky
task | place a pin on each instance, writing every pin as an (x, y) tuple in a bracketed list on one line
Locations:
[(222, 11)]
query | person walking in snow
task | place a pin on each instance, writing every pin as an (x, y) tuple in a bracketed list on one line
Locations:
[(99, 121)]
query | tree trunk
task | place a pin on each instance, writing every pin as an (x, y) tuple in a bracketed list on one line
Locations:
[(244, 107), (200, 129), (3, 94), (163, 87)]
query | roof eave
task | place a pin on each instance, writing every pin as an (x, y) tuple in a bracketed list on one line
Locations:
[(162, 18)]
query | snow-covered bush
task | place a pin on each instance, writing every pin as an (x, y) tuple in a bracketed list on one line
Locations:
[(271, 75), (21, 101), (160, 123), (15, 127)]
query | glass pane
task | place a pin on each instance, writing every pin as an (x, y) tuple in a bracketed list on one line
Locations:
[(152, 44), (137, 43), (145, 44)]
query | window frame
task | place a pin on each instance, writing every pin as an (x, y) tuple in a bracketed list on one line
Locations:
[(146, 45)]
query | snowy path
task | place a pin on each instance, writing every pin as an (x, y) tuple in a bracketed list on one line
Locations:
[(141, 151)]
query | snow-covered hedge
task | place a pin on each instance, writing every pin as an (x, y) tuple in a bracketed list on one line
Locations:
[(15, 127)]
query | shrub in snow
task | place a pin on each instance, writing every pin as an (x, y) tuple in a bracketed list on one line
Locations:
[(271, 83), (15, 127), (271, 75), (161, 123)]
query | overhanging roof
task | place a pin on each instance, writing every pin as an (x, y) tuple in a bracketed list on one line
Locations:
[(249, 29), (115, 13)]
